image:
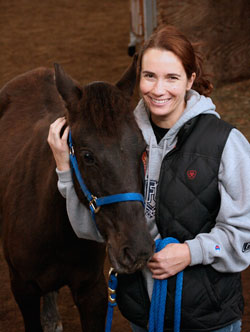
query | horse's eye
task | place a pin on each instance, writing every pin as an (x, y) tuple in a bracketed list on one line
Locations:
[(89, 158)]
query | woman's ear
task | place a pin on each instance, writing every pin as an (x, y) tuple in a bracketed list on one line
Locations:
[(191, 81)]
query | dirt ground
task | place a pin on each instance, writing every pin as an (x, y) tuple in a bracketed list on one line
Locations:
[(89, 38)]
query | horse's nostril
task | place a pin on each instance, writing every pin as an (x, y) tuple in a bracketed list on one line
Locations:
[(127, 256), (130, 258)]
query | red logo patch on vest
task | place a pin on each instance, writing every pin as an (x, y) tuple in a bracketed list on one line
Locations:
[(144, 160), (191, 174)]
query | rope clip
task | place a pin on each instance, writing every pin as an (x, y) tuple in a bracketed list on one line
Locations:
[(71, 150), (111, 291)]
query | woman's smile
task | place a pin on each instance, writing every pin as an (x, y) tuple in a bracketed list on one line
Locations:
[(159, 102)]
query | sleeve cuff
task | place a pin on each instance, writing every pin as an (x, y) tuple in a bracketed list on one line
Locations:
[(64, 176), (195, 251)]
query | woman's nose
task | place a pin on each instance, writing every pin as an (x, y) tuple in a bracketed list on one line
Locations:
[(159, 88)]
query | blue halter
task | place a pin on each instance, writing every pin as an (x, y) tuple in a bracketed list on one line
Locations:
[(94, 202)]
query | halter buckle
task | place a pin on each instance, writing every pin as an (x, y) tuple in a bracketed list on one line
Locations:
[(93, 205)]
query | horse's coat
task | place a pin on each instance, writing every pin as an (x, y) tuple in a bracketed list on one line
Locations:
[(41, 249)]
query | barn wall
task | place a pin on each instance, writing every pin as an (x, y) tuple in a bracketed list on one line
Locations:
[(224, 28)]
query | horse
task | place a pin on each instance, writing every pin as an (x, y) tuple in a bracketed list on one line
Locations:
[(41, 249)]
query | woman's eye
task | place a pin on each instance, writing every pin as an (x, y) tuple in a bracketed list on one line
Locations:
[(88, 158), (148, 75), (172, 78)]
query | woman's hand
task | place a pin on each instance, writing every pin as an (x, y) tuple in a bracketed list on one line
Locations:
[(59, 145), (170, 260)]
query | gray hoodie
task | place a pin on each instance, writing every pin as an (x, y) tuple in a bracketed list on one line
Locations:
[(227, 246)]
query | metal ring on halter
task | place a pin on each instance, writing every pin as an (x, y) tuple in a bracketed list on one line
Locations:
[(93, 204)]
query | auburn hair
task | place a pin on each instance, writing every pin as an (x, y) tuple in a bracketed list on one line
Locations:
[(169, 38)]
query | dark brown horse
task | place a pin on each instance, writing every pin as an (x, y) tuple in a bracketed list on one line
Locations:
[(42, 251)]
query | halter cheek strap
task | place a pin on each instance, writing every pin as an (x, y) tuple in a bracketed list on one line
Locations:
[(94, 202)]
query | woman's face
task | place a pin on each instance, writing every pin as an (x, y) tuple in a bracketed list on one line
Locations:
[(163, 85)]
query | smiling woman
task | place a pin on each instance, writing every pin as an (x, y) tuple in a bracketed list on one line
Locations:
[(191, 193), (163, 86), (189, 187)]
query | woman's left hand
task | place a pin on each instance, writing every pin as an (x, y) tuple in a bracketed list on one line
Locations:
[(59, 144), (170, 260)]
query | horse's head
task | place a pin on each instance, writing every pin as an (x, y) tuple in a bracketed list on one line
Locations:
[(108, 146)]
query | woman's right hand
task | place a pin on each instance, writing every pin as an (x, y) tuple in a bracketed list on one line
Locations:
[(59, 145)]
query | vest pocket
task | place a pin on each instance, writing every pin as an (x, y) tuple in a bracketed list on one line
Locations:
[(212, 294), (198, 292), (132, 298)]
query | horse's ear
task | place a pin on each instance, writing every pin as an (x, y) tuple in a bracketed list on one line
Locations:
[(128, 80), (68, 89)]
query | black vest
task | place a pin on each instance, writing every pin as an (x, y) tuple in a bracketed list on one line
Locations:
[(187, 204)]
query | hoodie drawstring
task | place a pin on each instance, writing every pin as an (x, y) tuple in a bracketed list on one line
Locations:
[(148, 170), (164, 149)]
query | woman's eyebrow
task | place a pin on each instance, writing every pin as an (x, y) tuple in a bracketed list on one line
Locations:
[(167, 75), (147, 72), (173, 74)]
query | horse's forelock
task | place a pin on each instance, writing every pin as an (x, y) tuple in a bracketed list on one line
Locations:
[(105, 107)]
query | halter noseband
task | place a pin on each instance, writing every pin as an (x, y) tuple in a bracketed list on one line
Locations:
[(94, 202)]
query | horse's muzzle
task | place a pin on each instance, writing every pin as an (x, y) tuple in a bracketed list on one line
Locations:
[(128, 260)]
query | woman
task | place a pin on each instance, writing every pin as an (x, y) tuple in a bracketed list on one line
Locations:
[(197, 190)]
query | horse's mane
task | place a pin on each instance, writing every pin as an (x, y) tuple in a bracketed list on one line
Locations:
[(106, 108)]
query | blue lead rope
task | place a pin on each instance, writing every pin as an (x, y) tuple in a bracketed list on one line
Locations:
[(112, 284), (158, 302), (159, 296), (95, 205)]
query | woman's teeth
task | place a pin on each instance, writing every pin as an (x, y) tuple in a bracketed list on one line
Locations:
[(160, 101)]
